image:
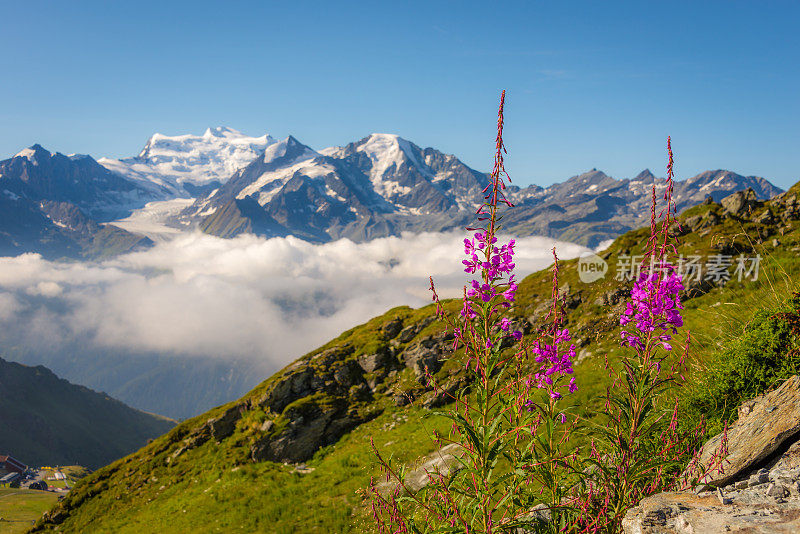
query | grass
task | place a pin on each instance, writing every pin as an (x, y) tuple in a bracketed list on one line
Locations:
[(263, 497), (215, 487), (19, 508)]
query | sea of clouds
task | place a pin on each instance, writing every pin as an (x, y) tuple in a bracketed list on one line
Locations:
[(266, 300)]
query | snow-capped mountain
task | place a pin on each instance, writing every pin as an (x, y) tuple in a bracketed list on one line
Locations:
[(186, 162), (380, 185), (383, 185), (37, 174), (54, 204)]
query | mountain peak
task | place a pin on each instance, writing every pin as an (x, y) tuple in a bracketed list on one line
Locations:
[(644, 176), (289, 148), (222, 131), (195, 159), (33, 152)]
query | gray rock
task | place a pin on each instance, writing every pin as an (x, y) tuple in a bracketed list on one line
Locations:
[(372, 362), (765, 218), (693, 222), (424, 356), (740, 203), (777, 490), (764, 425), (760, 434), (442, 462), (223, 426)]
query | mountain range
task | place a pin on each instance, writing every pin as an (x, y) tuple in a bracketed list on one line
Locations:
[(65, 206), (381, 185), (54, 204)]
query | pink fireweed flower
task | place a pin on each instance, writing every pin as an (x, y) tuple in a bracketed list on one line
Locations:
[(654, 308), (467, 312), (555, 362)]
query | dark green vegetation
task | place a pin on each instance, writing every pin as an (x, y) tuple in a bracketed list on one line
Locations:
[(764, 354), (214, 473), (19, 508), (45, 420)]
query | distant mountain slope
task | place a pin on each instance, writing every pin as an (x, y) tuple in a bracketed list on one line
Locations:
[(47, 420), (53, 204), (593, 207), (226, 467)]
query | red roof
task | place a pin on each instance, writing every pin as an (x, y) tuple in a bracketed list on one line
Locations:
[(12, 464)]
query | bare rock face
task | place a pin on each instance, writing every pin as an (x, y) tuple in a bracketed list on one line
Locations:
[(763, 425), (759, 490), (390, 329), (424, 355), (377, 360)]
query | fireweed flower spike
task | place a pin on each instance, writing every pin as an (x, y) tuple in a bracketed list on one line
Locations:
[(654, 309), (516, 389), (640, 450)]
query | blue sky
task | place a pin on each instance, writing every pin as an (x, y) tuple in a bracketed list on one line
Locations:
[(590, 84)]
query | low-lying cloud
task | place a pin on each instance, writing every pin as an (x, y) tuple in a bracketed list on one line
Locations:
[(267, 300)]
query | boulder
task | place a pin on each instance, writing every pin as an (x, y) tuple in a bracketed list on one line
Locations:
[(740, 203), (758, 491), (422, 355), (441, 462), (377, 360), (764, 424), (692, 223)]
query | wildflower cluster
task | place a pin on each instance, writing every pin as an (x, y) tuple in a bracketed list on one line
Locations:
[(640, 448), (515, 410), (554, 364), (654, 309)]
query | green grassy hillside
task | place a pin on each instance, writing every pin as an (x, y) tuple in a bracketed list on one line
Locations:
[(45, 420), (291, 455), (20, 508)]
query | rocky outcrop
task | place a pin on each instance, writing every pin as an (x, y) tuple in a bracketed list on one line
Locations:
[(740, 203), (315, 401), (757, 490), (442, 462)]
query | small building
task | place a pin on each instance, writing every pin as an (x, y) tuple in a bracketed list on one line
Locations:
[(9, 478), (12, 465)]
